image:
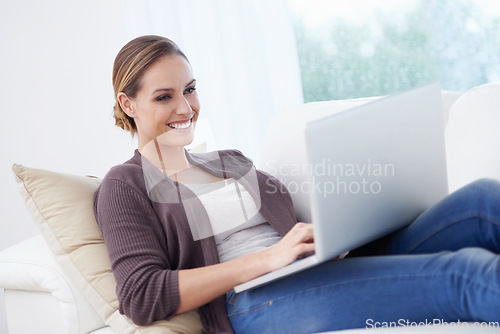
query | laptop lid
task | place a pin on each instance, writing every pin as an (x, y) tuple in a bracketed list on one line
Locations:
[(374, 168)]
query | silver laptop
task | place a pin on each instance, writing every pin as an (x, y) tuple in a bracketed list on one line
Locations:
[(361, 173)]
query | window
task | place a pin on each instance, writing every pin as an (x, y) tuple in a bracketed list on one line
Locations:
[(350, 49)]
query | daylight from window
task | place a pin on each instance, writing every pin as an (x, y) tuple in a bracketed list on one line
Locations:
[(359, 48)]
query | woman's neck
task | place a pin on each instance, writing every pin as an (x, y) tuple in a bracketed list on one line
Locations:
[(170, 160)]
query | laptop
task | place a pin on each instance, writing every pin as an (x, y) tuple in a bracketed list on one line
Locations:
[(358, 174)]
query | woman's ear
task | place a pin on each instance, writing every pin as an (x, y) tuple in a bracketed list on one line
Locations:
[(126, 104)]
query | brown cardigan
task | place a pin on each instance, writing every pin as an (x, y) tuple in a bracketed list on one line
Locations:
[(150, 233)]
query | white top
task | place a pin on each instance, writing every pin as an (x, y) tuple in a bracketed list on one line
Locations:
[(238, 227)]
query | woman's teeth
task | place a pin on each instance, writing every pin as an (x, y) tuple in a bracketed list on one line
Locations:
[(180, 125)]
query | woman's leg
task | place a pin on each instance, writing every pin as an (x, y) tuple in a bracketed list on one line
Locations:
[(368, 291), (361, 292), (469, 217)]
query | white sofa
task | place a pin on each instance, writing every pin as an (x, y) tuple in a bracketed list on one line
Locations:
[(40, 298)]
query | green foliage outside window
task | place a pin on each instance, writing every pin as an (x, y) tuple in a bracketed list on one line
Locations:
[(452, 41)]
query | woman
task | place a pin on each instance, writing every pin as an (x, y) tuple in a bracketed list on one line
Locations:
[(182, 230)]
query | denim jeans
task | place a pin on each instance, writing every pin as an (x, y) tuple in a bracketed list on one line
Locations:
[(443, 267)]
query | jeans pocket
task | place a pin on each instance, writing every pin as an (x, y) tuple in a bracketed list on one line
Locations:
[(231, 302), (240, 304)]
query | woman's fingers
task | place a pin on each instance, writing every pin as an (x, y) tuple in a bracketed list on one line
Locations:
[(299, 240), (305, 248), (301, 232)]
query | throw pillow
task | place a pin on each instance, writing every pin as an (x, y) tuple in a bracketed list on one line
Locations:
[(61, 206)]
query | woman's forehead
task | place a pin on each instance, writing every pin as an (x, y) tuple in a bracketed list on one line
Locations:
[(172, 71)]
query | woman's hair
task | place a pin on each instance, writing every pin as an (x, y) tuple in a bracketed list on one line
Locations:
[(130, 65)]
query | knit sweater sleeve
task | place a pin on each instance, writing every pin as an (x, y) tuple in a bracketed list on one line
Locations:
[(147, 287)]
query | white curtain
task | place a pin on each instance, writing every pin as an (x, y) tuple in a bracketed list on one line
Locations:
[(244, 57)]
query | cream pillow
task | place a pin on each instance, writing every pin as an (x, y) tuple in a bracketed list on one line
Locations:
[(61, 206), (473, 136)]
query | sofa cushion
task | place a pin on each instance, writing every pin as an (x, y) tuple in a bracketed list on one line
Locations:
[(61, 206), (473, 136)]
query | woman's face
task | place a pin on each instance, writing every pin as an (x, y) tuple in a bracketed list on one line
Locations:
[(166, 106)]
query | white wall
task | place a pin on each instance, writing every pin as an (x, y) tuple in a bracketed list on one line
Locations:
[(56, 97)]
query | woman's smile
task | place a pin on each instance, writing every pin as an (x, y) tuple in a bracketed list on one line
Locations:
[(182, 125)]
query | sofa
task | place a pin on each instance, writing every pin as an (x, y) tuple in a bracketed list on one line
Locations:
[(60, 281)]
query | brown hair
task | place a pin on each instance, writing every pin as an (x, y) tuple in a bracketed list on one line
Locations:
[(129, 67)]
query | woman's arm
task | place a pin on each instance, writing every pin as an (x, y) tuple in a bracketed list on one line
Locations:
[(201, 285), (147, 288)]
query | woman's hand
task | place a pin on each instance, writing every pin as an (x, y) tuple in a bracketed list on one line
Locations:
[(299, 240), (201, 285)]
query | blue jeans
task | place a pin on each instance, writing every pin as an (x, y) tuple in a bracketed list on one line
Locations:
[(443, 267)]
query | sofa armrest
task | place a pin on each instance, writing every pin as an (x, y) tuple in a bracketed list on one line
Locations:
[(29, 267)]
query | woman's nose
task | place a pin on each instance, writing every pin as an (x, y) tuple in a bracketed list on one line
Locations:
[(184, 108)]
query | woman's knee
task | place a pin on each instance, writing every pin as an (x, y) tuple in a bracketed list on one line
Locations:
[(480, 198), (483, 185), (484, 189)]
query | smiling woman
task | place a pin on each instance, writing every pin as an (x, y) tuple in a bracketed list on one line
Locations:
[(166, 104), (129, 68), (183, 230), (155, 92)]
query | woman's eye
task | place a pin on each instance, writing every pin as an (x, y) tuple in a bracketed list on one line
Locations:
[(190, 90), (163, 97)]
